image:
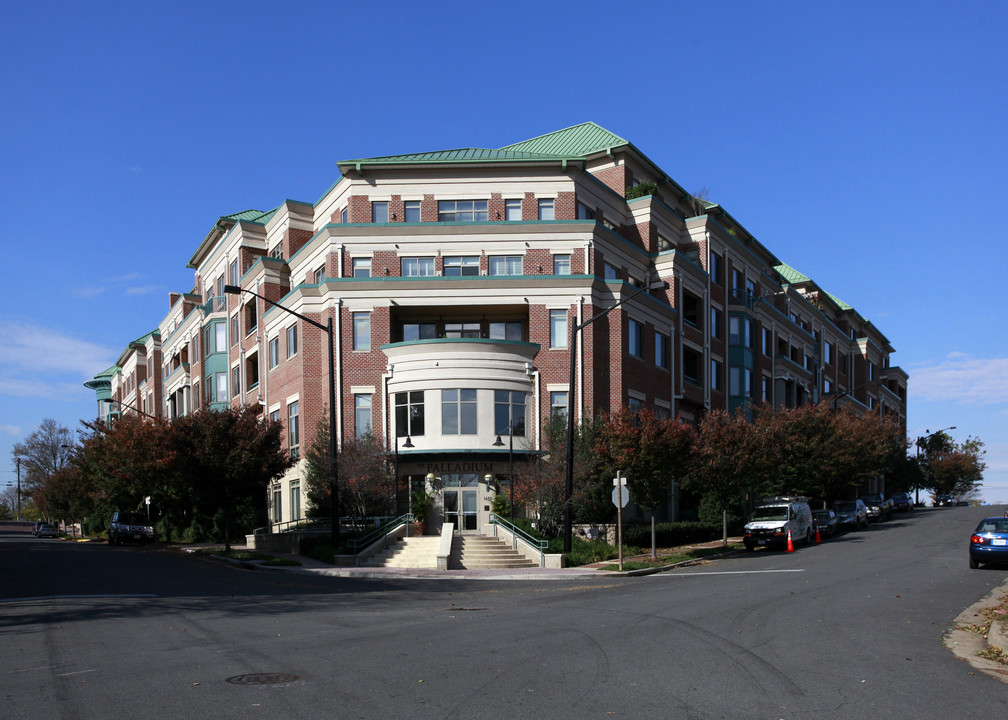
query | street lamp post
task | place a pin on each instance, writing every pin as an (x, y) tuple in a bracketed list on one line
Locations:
[(333, 470), (500, 443), (569, 488), (407, 444), (919, 441)]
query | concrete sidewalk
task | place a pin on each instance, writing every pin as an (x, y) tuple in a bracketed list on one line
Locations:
[(966, 643)]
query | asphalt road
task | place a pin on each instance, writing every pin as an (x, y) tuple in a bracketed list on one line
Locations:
[(851, 628)]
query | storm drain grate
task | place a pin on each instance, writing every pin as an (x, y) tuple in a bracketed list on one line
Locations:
[(262, 679)]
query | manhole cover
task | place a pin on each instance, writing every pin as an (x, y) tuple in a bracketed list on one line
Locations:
[(262, 679)]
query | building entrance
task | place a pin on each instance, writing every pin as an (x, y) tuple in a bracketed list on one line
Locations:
[(460, 498)]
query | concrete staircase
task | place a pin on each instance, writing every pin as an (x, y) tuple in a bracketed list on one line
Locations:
[(411, 552), (478, 551)]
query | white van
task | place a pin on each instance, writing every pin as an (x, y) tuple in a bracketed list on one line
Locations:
[(774, 517)]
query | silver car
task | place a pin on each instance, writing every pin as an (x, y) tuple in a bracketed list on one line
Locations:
[(851, 514)]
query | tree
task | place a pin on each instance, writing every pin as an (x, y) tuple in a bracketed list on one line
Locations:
[(954, 468), (68, 495), (42, 453), (650, 451), (728, 457), (230, 457)]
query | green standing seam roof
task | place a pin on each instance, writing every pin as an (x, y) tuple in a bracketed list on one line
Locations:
[(576, 141)]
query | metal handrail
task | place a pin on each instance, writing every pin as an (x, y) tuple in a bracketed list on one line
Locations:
[(517, 532), (357, 544)]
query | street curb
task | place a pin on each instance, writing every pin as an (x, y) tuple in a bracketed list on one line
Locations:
[(965, 644)]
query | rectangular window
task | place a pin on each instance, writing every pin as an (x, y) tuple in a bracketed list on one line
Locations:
[(221, 379), (558, 404), (419, 331), (546, 211), (584, 212), (234, 329), (235, 381), (251, 318), (409, 417), (462, 330), (274, 352), (417, 267), (277, 504), (611, 272), (462, 210), (739, 331), (561, 264), (458, 412), (635, 338), (343, 216), (221, 329), (715, 323), (293, 431), (513, 210), (292, 341), (635, 405), (295, 501), (827, 386), (738, 279), (379, 211), (509, 413), (464, 265), (411, 211), (320, 275), (276, 251), (715, 380), (662, 345), (362, 414), (767, 385), (506, 331), (361, 267), (362, 331), (664, 243), (505, 265), (558, 328), (767, 342), (233, 272), (716, 268), (828, 352)]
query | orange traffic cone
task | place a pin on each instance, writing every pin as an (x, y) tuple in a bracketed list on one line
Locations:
[(790, 545), (818, 538)]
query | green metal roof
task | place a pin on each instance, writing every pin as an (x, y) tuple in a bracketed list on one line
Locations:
[(839, 303), (576, 141), (791, 275)]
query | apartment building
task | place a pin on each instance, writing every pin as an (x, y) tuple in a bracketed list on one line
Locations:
[(453, 280)]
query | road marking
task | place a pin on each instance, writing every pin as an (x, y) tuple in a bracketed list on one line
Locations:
[(79, 672), (74, 597), (732, 572)]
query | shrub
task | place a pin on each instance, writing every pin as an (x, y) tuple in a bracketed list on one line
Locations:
[(318, 548), (671, 534)]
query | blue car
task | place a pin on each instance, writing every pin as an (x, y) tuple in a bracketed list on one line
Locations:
[(989, 542)]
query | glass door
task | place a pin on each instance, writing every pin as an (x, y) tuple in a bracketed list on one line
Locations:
[(460, 501)]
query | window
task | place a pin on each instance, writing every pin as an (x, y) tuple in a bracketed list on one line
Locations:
[(715, 323), (716, 267), (464, 265), (221, 381), (276, 251), (220, 286), (558, 328), (362, 414), (251, 318), (343, 216), (419, 331), (295, 501), (664, 243), (767, 385), (458, 412), (506, 265), (827, 387), (293, 431), (462, 330), (417, 267), (409, 413), (635, 338), (584, 212), (277, 504), (828, 352), (506, 331), (610, 272), (750, 287), (292, 341), (739, 330), (379, 211), (513, 210), (462, 210), (411, 211), (691, 310), (739, 381), (546, 211), (235, 381), (767, 342), (738, 279), (561, 264), (635, 405), (662, 412), (361, 331), (558, 404), (509, 413), (843, 363), (871, 371), (320, 275), (361, 267), (274, 352), (221, 330), (715, 381), (661, 352), (234, 329), (195, 348), (233, 273)]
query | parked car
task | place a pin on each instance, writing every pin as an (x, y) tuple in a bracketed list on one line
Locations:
[(36, 526), (825, 522), (47, 530), (129, 527), (989, 542), (879, 506), (902, 502), (774, 519), (944, 501), (851, 514)]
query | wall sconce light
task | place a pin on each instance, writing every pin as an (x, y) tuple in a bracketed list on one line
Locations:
[(498, 214), (393, 216)]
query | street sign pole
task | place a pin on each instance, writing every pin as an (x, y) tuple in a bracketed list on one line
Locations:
[(620, 497)]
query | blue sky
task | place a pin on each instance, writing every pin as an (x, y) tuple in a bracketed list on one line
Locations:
[(858, 141)]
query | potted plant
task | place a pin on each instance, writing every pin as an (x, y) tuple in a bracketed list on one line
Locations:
[(422, 506)]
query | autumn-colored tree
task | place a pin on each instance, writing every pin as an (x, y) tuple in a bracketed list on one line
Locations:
[(42, 453), (649, 451), (68, 495), (954, 468)]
